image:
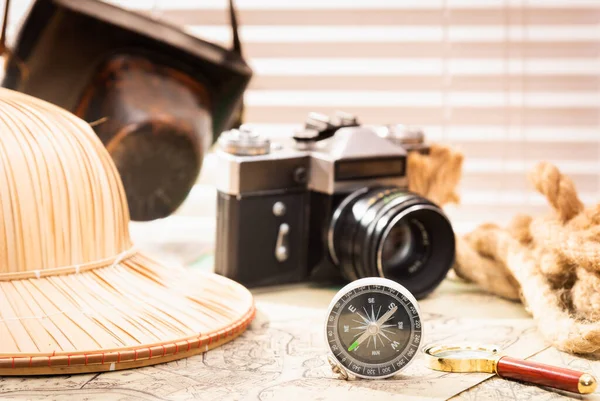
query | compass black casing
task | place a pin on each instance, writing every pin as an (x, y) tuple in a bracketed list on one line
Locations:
[(386, 347)]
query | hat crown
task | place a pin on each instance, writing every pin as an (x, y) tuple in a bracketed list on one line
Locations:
[(62, 202)]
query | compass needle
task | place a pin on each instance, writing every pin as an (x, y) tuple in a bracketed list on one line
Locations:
[(359, 341), (367, 321), (373, 329), (383, 334), (387, 316)]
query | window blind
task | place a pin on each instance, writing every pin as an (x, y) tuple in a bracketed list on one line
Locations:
[(508, 82)]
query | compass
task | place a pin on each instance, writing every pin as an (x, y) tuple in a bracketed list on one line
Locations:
[(373, 329)]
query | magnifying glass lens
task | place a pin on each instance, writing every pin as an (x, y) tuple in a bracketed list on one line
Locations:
[(467, 358), (464, 354)]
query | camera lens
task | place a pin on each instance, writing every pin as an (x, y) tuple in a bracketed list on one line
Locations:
[(390, 232)]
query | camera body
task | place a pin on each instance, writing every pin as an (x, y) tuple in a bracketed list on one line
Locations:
[(321, 205)]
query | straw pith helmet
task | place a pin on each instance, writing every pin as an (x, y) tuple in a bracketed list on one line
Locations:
[(75, 296)]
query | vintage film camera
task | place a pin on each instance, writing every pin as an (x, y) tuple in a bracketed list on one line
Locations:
[(329, 203)]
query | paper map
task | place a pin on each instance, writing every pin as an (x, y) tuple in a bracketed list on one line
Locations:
[(282, 356)]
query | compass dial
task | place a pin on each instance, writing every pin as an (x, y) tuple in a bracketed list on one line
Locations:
[(373, 327)]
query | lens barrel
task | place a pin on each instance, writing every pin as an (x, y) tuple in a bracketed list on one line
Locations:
[(390, 232)]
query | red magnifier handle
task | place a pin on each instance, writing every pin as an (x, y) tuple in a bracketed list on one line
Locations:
[(546, 375)]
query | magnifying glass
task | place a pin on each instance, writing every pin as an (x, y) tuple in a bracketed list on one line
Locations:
[(489, 359)]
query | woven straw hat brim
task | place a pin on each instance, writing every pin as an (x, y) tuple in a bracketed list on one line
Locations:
[(128, 314)]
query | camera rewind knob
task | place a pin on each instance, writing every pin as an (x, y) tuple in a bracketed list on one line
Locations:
[(410, 138), (344, 119), (317, 122), (244, 142), (404, 134)]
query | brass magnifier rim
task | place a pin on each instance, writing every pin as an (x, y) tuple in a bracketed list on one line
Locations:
[(462, 365)]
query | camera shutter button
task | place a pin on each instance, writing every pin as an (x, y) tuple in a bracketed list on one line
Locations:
[(281, 247)]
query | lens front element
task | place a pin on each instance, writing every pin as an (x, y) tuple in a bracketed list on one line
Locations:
[(399, 247)]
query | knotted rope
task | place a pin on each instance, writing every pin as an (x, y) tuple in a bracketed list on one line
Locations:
[(551, 263)]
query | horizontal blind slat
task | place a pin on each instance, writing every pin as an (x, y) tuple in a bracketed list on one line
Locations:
[(416, 49), (583, 117), (430, 33), (449, 98), (490, 83), (335, 66), (485, 181), (387, 17), (357, 5)]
